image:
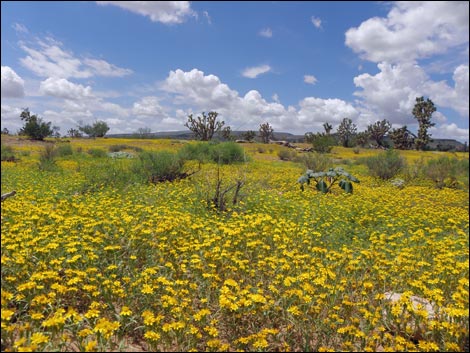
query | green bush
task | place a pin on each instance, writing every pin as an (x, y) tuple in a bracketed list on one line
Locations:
[(223, 153), (315, 161), (108, 172), (7, 153), (157, 166), (446, 172), (286, 155), (47, 158), (385, 165), (64, 150), (97, 153), (117, 148), (199, 151), (323, 143), (227, 153)]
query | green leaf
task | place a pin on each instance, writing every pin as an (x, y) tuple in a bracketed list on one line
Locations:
[(321, 186)]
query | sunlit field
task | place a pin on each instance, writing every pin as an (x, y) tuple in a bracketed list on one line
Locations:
[(112, 266)]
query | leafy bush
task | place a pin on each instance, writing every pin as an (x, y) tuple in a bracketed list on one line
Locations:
[(223, 153), (324, 181), (227, 153), (444, 171), (7, 153), (315, 161), (47, 158), (117, 148), (108, 172), (97, 153), (385, 165), (199, 151), (321, 142), (64, 150), (157, 166), (286, 155)]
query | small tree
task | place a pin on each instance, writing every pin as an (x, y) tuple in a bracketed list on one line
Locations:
[(5, 131), (34, 126), (362, 138), (422, 112), (204, 127), (378, 130), (402, 138), (74, 133), (321, 142), (265, 132), (143, 132), (249, 135), (346, 131), (227, 133), (98, 129), (328, 127)]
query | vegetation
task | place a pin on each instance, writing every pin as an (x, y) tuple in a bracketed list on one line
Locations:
[(204, 127), (324, 181), (234, 258), (422, 112), (266, 132), (402, 138), (249, 135), (35, 128), (385, 165), (346, 132), (98, 129), (7, 153), (321, 142), (378, 131)]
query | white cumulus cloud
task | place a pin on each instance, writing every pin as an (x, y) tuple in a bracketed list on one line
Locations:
[(12, 84), (167, 12), (253, 72), (411, 30), (392, 92), (62, 88)]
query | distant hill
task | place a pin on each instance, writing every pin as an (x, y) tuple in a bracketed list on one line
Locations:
[(436, 144)]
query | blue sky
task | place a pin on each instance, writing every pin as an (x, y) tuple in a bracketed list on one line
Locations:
[(293, 64)]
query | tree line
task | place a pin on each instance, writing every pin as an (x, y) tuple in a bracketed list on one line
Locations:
[(206, 126)]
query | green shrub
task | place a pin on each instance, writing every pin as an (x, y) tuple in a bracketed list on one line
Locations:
[(157, 166), (315, 161), (223, 153), (321, 143), (286, 155), (108, 172), (64, 150), (415, 170), (385, 165), (199, 151), (227, 153), (7, 153), (47, 158), (117, 148), (97, 153), (445, 171)]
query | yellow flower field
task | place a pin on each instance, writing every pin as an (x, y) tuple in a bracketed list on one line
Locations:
[(150, 267)]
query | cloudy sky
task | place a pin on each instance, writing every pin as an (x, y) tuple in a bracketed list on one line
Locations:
[(293, 64)]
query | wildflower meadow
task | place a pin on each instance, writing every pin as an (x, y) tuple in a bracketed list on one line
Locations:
[(95, 257)]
